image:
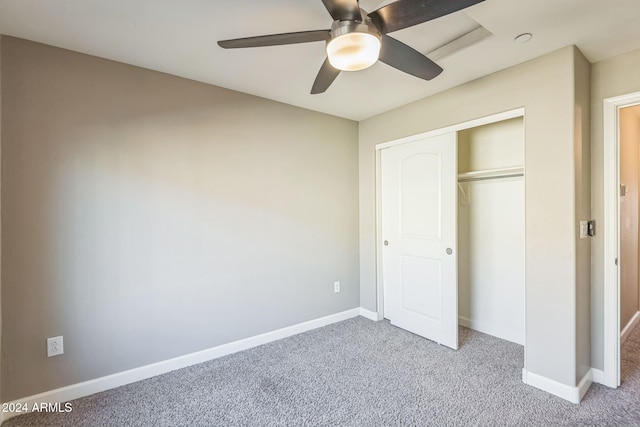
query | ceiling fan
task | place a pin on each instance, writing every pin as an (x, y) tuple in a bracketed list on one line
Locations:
[(358, 39)]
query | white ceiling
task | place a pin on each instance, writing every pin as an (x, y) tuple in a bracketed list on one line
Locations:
[(179, 37)]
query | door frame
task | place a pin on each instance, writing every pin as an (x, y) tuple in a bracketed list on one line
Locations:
[(611, 234), (511, 114)]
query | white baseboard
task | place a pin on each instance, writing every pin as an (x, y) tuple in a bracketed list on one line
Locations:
[(368, 314), (573, 394), (97, 385), (585, 384), (598, 376), (627, 329)]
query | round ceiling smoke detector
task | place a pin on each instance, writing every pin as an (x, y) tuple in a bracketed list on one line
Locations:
[(523, 38)]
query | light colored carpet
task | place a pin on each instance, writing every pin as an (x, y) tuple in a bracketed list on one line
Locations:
[(356, 373)]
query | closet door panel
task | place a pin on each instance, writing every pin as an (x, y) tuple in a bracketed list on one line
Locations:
[(419, 193)]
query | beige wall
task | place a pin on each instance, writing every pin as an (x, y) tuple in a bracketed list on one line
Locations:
[(1, 347), (545, 88), (613, 77), (148, 216), (629, 140), (582, 168)]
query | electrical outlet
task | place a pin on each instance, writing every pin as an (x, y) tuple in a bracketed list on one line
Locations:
[(336, 287), (55, 346)]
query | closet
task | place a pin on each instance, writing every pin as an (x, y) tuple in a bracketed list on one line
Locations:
[(491, 197), (451, 209)]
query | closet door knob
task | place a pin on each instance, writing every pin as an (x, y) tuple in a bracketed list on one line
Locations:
[(449, 251), (386, 243)]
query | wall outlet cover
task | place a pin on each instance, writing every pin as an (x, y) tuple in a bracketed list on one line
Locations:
[(55, 346)]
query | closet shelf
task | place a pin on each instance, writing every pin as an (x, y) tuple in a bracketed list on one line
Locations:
[(490, 174)]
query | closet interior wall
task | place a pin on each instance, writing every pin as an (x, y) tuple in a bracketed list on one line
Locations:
[(491, 229)]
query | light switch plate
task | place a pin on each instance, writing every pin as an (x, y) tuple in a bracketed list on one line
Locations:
[(584, 229)]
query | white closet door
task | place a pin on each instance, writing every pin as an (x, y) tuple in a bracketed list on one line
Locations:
[(419, 219)]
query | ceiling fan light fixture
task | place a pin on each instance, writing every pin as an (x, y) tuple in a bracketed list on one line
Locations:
[(353, 51), (353, 47)]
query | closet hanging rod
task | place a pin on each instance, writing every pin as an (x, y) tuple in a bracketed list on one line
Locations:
[(491, 174), (485, 178)]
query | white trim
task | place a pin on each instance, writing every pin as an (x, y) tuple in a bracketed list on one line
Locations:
[(518, 112), (97, 385), (585, 384), (571, 393), (598, 376), (611, 234), (627, 329), (378, 199), (368, 314)]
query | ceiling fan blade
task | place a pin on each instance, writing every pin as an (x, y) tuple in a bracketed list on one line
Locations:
[(343, 10), (407, 13), (407, 59), (276, 39), (325, 77)]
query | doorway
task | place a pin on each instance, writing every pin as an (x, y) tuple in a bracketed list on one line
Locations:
[(621, 225), (629, 130)]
